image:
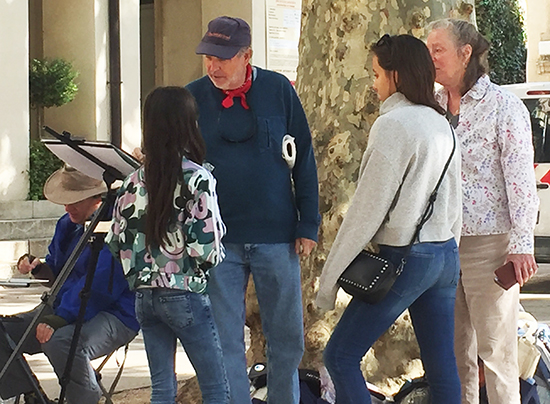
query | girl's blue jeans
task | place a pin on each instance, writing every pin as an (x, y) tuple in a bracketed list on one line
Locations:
[(427, 287), (166, 315)]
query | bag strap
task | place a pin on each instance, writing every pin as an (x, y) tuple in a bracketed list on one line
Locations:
[(428, 212)]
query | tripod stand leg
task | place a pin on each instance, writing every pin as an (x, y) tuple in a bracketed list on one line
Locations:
[(97, 245), (25, 369)]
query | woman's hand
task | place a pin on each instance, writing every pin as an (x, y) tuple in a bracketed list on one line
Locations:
[(524, 265)]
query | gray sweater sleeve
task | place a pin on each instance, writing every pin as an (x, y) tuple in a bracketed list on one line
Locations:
[(376, 189)]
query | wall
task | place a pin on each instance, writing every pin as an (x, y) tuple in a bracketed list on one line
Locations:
[(77, 32), (236, 8), (259, 36), (538, 29), (14, 100), (177, 31), (130, 71), (147, 49)]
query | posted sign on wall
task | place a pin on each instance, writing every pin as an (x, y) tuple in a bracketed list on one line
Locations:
[(283, 34)]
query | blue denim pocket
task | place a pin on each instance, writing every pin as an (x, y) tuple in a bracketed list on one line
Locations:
[(417, 272), (454, 266), (176, 308)]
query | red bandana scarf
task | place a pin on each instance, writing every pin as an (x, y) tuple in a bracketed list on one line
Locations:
[(239, 92)]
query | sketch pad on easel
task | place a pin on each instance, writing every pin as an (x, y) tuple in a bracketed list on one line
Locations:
[(104, 152)]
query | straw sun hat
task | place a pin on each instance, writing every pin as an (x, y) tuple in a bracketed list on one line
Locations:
[(67, 186)]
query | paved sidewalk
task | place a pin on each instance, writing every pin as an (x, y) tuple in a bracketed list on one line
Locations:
[(136, 370)]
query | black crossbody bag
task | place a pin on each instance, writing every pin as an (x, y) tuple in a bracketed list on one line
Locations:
[(370, 277)]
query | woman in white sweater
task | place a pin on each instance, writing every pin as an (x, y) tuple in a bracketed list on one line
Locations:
[(409, 145)]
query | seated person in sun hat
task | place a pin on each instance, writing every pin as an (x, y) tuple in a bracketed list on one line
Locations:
[(109, 320)]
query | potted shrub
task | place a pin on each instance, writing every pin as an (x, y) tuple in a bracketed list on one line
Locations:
[(51, 84)]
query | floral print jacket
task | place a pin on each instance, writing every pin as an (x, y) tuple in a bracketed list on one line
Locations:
[(499, 192), (194, 233)]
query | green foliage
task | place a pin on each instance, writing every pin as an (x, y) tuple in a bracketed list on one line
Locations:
[(42, 164), (501, 22), (51, 83)]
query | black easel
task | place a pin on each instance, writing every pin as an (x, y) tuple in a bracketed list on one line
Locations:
[(110, 174)]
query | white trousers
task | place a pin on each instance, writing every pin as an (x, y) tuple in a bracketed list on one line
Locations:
[(486, 318)]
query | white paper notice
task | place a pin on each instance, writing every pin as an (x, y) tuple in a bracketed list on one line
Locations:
[(283, 35)]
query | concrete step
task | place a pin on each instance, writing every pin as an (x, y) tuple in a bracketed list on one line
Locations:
[(25, 229), (11, 210), (12, 250), (25, 226), (24, 220)]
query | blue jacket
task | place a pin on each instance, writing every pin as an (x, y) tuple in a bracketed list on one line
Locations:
[(118, 301), (261, 199)]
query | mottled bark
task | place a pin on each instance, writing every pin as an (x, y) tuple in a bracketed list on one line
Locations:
[(189, 392)]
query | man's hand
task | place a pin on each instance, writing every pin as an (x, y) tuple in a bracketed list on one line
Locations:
[(525, 266), (303, 246), (44, 332), (24, 266)]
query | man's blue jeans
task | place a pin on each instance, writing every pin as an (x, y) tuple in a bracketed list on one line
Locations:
[(166, 315), (427, 287), (275, 269)]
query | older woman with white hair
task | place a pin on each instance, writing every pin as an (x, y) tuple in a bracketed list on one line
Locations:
[(499, 208)]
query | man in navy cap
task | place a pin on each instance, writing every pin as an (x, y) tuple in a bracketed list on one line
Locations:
[(268, 196)]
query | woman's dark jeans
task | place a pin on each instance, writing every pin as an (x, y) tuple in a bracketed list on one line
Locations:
[(427, 287)]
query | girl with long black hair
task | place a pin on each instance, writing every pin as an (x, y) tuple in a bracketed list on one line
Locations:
[(167, 232)]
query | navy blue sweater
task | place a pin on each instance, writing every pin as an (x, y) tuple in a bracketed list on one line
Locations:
[(261, 199), (118, 300)]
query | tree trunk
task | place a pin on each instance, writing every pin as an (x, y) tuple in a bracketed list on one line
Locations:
[(334, 84)]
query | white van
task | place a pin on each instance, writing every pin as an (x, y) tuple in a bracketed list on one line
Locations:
[(536, 97)]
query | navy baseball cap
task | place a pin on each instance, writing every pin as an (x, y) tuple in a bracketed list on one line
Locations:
[(224, 38)]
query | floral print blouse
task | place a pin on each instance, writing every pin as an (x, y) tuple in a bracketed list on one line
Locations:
[(194, 233), (498, 177)]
